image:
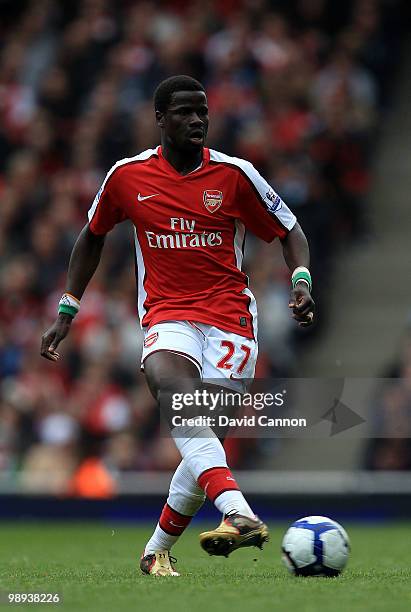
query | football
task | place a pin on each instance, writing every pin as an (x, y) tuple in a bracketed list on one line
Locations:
[(315, 546)]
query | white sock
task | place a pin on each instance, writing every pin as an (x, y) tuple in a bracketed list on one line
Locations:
[(185, 494), (233, 501), (202, 451), (160, 540), (185, 497)]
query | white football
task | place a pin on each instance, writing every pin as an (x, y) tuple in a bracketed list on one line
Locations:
[(315, 546)]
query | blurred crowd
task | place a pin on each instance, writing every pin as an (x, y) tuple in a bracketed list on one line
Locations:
[(390, 449), (298, 88)]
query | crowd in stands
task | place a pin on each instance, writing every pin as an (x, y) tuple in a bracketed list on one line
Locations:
[(298, 88), (389, 447)]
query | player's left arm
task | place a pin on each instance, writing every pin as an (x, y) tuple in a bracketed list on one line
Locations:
[(297, 257), (263, 212)]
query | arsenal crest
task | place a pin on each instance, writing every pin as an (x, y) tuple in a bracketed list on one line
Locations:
[(212, 198)]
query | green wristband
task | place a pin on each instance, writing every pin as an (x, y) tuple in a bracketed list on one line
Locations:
[(65, 309), (302, 275)]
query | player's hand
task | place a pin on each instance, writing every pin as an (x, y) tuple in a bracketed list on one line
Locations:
[(302, 305), (53, 336)]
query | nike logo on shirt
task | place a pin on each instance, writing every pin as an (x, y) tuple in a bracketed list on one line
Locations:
[(141, 198)]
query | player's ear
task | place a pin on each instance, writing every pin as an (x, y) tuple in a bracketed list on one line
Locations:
[(160, 118)]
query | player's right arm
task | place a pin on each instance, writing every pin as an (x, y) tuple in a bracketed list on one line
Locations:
[(85, 257), (84, 260)]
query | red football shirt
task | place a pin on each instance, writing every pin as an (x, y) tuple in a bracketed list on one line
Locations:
[(189, 234)]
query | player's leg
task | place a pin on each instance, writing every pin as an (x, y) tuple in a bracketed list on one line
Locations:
[(205, 457), (184, 499), (229, 359), (168, 373), (239, 527), (202, 451), (185, 496)]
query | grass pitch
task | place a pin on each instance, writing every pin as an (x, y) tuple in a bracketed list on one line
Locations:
[(95, 568)]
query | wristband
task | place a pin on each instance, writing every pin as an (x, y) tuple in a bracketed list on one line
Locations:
[(301, 274), (68, 304)]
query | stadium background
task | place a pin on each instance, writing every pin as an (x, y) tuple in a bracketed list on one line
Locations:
[(310, 91)]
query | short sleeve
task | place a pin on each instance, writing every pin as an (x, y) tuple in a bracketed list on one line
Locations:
[(260, 208), (105, 212)]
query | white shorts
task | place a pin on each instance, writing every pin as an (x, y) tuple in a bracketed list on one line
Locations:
[(218, 354)]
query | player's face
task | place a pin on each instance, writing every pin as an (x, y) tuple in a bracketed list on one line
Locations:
[(185, 122)]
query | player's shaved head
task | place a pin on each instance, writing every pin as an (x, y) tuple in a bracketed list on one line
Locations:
[(165, 90)]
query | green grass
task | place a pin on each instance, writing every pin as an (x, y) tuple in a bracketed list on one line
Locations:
[(94, 566)]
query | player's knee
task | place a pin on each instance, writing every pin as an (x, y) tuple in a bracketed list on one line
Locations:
[(167, 373)]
